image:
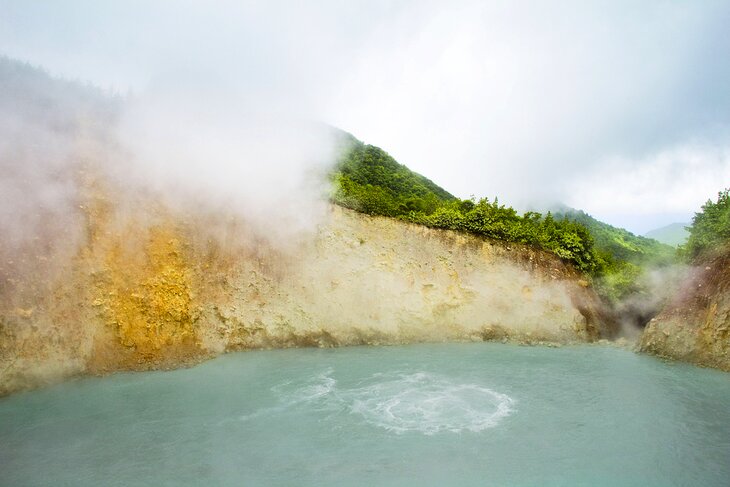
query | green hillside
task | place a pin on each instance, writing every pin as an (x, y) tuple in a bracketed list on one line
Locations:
[(674, 234), (618, 243), (369, 180), (623, 257)]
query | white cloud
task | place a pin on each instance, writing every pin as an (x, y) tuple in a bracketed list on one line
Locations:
[(675, 181), (524, 100), (672, 180)]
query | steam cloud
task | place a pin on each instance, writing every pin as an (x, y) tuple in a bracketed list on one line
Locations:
[(41, 129), (195, 146), (194, 149)]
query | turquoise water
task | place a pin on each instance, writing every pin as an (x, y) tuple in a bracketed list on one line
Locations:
[(424, 415)]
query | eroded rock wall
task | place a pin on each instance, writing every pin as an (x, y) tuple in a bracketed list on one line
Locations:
[(149, 287), (368, 280), (695, 325)]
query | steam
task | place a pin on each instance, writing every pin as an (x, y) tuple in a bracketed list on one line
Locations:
[(197, 147), (658, 285), (83, 170), (42, 126), (195, 150)]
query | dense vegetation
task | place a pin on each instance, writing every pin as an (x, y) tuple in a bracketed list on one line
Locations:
[(710, 228), (369, 180), (621, 256)]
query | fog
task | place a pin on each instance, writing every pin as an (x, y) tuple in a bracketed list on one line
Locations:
[(41, 138), (191, 146), (195, 146), (605, 106)]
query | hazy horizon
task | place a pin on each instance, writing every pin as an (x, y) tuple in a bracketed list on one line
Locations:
[(616, 109)]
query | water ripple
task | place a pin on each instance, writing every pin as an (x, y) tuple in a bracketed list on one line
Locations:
[(418, 402), (429, 404)]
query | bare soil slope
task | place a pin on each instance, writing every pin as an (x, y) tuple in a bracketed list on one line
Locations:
[(695, 325)]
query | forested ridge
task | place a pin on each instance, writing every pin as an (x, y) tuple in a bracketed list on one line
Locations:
[(369, 180)]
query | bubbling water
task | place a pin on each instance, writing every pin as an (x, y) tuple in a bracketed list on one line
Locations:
[(430, 404), (417, 402)]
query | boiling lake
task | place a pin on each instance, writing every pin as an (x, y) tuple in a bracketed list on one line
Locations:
[(439, 414)]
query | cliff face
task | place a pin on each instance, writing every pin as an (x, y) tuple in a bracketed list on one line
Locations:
[(695, 325), (365, 280), (149, 287)]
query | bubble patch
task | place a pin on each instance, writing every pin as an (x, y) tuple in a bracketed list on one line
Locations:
[(322, 386), (418, 402), (430, 404)]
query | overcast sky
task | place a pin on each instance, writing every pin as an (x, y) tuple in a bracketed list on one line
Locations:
[(618, 108)]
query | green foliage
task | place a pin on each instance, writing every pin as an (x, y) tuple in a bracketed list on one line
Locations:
[(370, 165), (621, 257), (621, 245), (710, 228), (370, 181), (617, 280)]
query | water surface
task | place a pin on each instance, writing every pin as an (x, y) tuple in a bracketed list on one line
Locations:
[(448, 414)]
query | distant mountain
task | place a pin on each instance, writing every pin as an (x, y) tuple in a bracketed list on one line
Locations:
[(674, 234), (619, 243)]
